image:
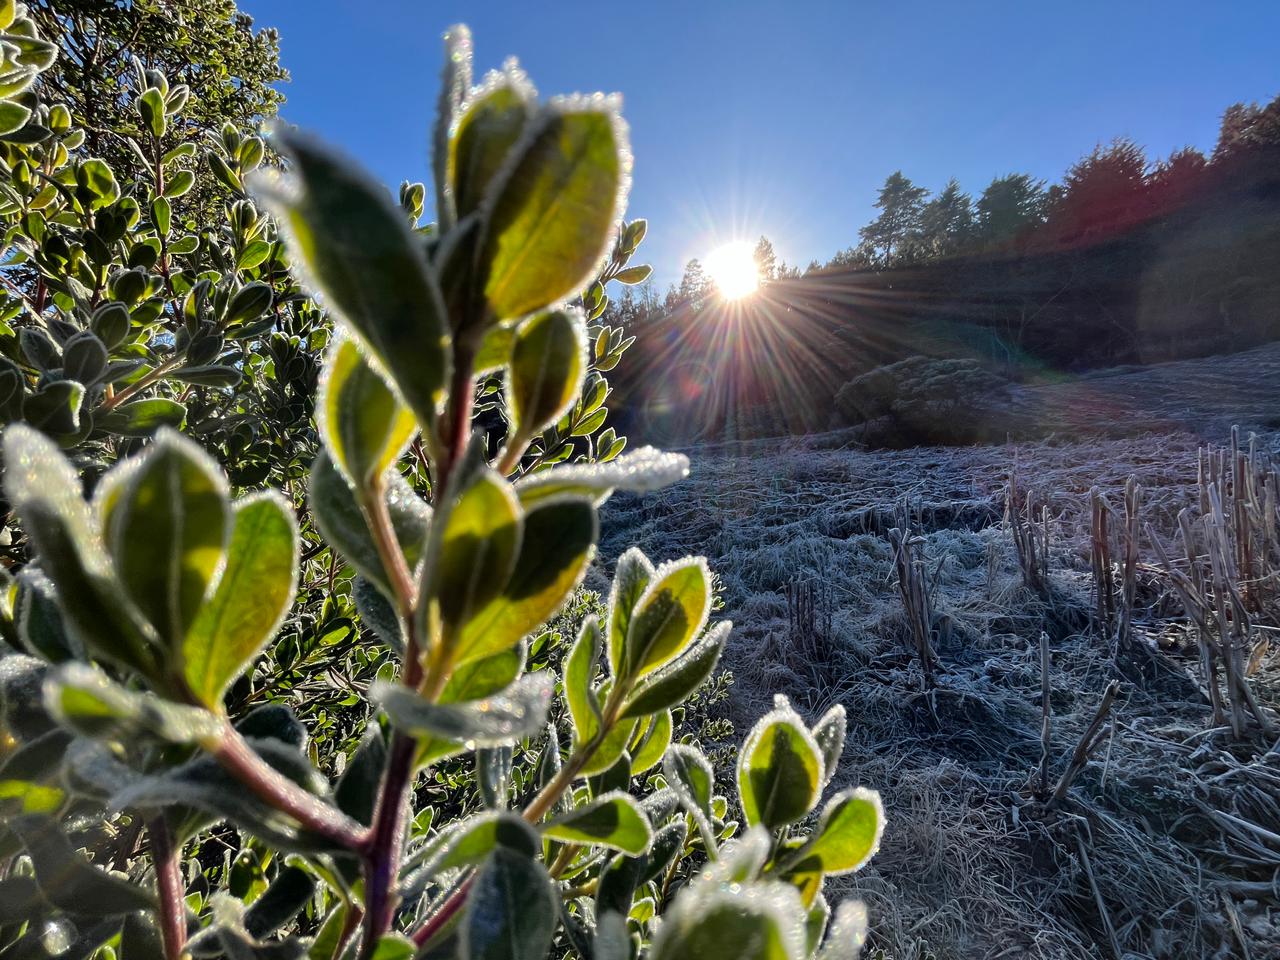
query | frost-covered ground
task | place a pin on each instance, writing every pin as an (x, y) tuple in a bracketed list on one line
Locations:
[(1137, 865)]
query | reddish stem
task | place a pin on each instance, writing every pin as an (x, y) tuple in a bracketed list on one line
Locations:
[(173, 910)]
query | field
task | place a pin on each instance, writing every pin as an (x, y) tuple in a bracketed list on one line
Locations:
[(1168, 842)]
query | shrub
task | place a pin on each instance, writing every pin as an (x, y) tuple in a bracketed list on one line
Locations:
[(922, 400), (148, 602)]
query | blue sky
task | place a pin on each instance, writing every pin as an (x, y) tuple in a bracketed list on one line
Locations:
[(783, 119)]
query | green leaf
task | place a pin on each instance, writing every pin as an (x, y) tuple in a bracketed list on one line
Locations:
[(780, 769), (84, 699), (208, 375), (631, 578), (151, 108), (13, 116), (55, 407), (364, 426), (358, 251), (847, 835), (249, 303), (610, 750), (632, 275), (666, 847), (162, 215), (84, 358), (342, 522), (690, 775), (579, 675), (650, 743), (613, 820), (558, 542), (495, 348), (671, 612), (44, 491), (641, 471), (815, 924), (455, 81), (167, 532), (466, 843), (544, 375), (552, 214), (253, 255), (252, 597), (490, 125), (473, 551), (357, 791), (96, 178), (674, 683), (179, 184), (141, 418), (518, 712), (511, 910), (473, 681), (707, 920)]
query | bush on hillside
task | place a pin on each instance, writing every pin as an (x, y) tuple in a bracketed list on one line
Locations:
[(922, 400)]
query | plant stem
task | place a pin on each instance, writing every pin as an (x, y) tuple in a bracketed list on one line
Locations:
[(392, 557), (173, 910), (142, 384), (386, 841), (536, 810), (270, 786)]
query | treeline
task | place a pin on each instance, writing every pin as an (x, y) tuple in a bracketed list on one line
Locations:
[(1124, 260)]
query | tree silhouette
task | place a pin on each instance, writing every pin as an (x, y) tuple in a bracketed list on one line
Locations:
[(901, 204)]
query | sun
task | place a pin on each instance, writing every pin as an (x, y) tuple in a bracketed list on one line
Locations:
[(732, 268)]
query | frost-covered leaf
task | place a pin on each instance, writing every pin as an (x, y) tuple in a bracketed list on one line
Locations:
[(675, 682), (829, 733), (650, 742), (512, 715), (780, 769), (847, 834), (558, 543), (364, 425), (544, 371), (579, 674), (355, 248), (44, 491), (252, 597), (342, 522), (757, 922), (492, 119), (669, 614), (641, 471), (511, 909), (847, 934), (167, 532), (71, 882), (690, 775), (86, 700), (612, 820), (552, 211), (474, 547), (631, 577)]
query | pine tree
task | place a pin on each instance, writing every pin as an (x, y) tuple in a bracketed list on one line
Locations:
[(901, 204), (766, 260), (1011, 206), (946, 222)]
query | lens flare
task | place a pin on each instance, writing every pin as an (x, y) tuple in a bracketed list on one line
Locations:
[(732, 268)]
